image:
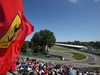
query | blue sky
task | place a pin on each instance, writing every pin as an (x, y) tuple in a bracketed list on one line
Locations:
[(70, 20)]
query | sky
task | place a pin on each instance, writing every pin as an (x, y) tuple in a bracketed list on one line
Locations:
[(70, 20)]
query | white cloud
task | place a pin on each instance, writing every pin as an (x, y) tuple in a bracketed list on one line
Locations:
[(73, 1), (96, 0)]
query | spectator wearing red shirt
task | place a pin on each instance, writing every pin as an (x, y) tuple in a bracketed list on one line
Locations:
[(46, 71)]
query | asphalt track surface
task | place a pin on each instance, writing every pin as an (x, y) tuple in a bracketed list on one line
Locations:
[(90, 57), (73, 62)]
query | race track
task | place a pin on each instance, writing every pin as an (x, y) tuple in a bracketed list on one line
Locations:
[(72, 61)]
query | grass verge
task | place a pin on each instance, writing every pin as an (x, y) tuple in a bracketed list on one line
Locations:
[(58, 48), (78, 56)]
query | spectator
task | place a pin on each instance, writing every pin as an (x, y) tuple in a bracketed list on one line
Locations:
[(68, 72)]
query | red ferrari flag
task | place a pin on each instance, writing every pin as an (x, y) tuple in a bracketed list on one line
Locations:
[(14, 28)]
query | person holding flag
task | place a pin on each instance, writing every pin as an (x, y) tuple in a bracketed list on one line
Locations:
[(14, 28)]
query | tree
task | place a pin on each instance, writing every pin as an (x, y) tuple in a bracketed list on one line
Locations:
[(31, 45), (25, 46), (35, 39), (43, 38)]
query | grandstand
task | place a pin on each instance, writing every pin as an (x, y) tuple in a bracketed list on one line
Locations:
[(78, 47)]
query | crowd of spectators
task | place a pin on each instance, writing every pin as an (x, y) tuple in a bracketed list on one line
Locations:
[(82, 71), (27, 66), (30, 66)]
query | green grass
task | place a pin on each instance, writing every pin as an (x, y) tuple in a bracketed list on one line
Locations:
[(78, 56), (58, 48)]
